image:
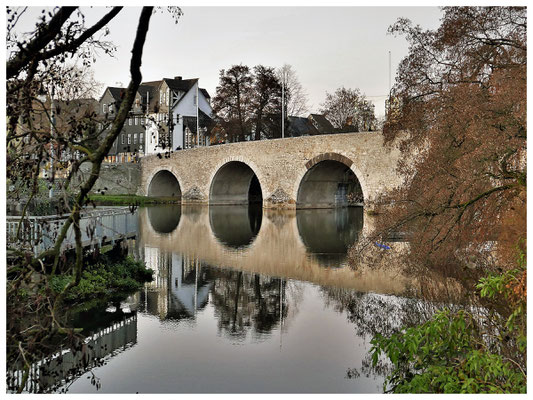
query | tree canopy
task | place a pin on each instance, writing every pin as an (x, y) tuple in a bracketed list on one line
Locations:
[(460, 97), (41, 68), (349, 109)]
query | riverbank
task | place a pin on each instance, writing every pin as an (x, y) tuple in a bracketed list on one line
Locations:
[(129, 199)]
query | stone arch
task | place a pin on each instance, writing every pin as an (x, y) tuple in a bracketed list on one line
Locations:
[(163, 183), (235, 182), (328, 181)]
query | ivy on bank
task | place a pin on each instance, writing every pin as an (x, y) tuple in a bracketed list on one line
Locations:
[(104, 278)]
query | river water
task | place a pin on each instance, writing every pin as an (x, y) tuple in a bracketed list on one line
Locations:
[(246, 300)]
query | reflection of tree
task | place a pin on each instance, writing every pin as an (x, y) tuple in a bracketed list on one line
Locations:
[(374, 314), (248, 301)]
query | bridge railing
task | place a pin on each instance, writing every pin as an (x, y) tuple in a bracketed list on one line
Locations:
[(97, 227)]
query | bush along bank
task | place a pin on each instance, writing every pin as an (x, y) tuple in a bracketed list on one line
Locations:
[(105, 278)]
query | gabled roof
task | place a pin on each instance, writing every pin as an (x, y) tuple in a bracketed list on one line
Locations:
[(206, 94), (322, 124), (144, 89), (180, 84), (300, 126), (117, 93), (151, 88)]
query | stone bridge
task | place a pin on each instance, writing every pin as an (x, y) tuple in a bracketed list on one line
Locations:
[(306, 172)]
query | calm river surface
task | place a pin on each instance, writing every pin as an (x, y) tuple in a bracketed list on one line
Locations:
[(245, 301)]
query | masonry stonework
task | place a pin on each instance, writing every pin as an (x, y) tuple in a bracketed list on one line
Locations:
[(116, 178), (280, 165)]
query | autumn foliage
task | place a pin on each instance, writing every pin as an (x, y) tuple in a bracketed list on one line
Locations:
[(460, 95)]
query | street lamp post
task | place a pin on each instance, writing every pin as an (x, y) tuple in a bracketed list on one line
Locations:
[(283, 106)]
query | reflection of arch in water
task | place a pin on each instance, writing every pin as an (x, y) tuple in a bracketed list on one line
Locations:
[(329, 182), (164, 184), (236, 226), (235, 183), (328, 233), (164, 218)]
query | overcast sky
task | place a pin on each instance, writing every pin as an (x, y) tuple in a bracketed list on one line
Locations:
[(328, 47)]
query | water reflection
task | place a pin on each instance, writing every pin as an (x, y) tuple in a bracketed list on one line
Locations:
[(114, 334), (236, 227), (302, 245), (247, 302), (164, 219), (328, 233), (243, 302)]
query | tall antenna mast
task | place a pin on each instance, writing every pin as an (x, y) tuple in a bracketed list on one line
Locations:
[(390, 87)]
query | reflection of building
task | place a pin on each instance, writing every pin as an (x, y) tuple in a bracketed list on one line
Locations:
[(243, 302), (180, 286)]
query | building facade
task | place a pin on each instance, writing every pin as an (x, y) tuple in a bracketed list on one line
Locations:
[(167, 115)]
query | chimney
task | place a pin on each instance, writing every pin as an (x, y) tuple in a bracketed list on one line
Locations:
[(178, 78)]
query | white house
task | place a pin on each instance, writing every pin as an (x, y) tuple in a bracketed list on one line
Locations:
[(176, 107)]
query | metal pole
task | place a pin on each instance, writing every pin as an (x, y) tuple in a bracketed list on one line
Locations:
[(197, 120), (389, 74), (283, 105)]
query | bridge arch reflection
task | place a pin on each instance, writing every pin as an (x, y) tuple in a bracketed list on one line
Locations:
[(235, 227), (286, 245), (328, 233), (164, 219)]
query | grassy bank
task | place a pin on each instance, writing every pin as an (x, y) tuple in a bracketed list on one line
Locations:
[(129, 199)]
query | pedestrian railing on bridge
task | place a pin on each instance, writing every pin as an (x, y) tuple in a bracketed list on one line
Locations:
[(98, 227)]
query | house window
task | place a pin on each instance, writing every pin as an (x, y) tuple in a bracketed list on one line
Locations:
[(136, 120), (129, 138), (166, 97), (130, 120), (104, 108), (134, 138), (161, 96), (195, 99), (111, 108), (122, 138), (141, 137)]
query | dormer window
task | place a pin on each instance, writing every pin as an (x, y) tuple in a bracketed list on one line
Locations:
[(104, 108)]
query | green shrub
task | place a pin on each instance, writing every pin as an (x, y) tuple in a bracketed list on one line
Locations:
[(455, 352), (104, 278)]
